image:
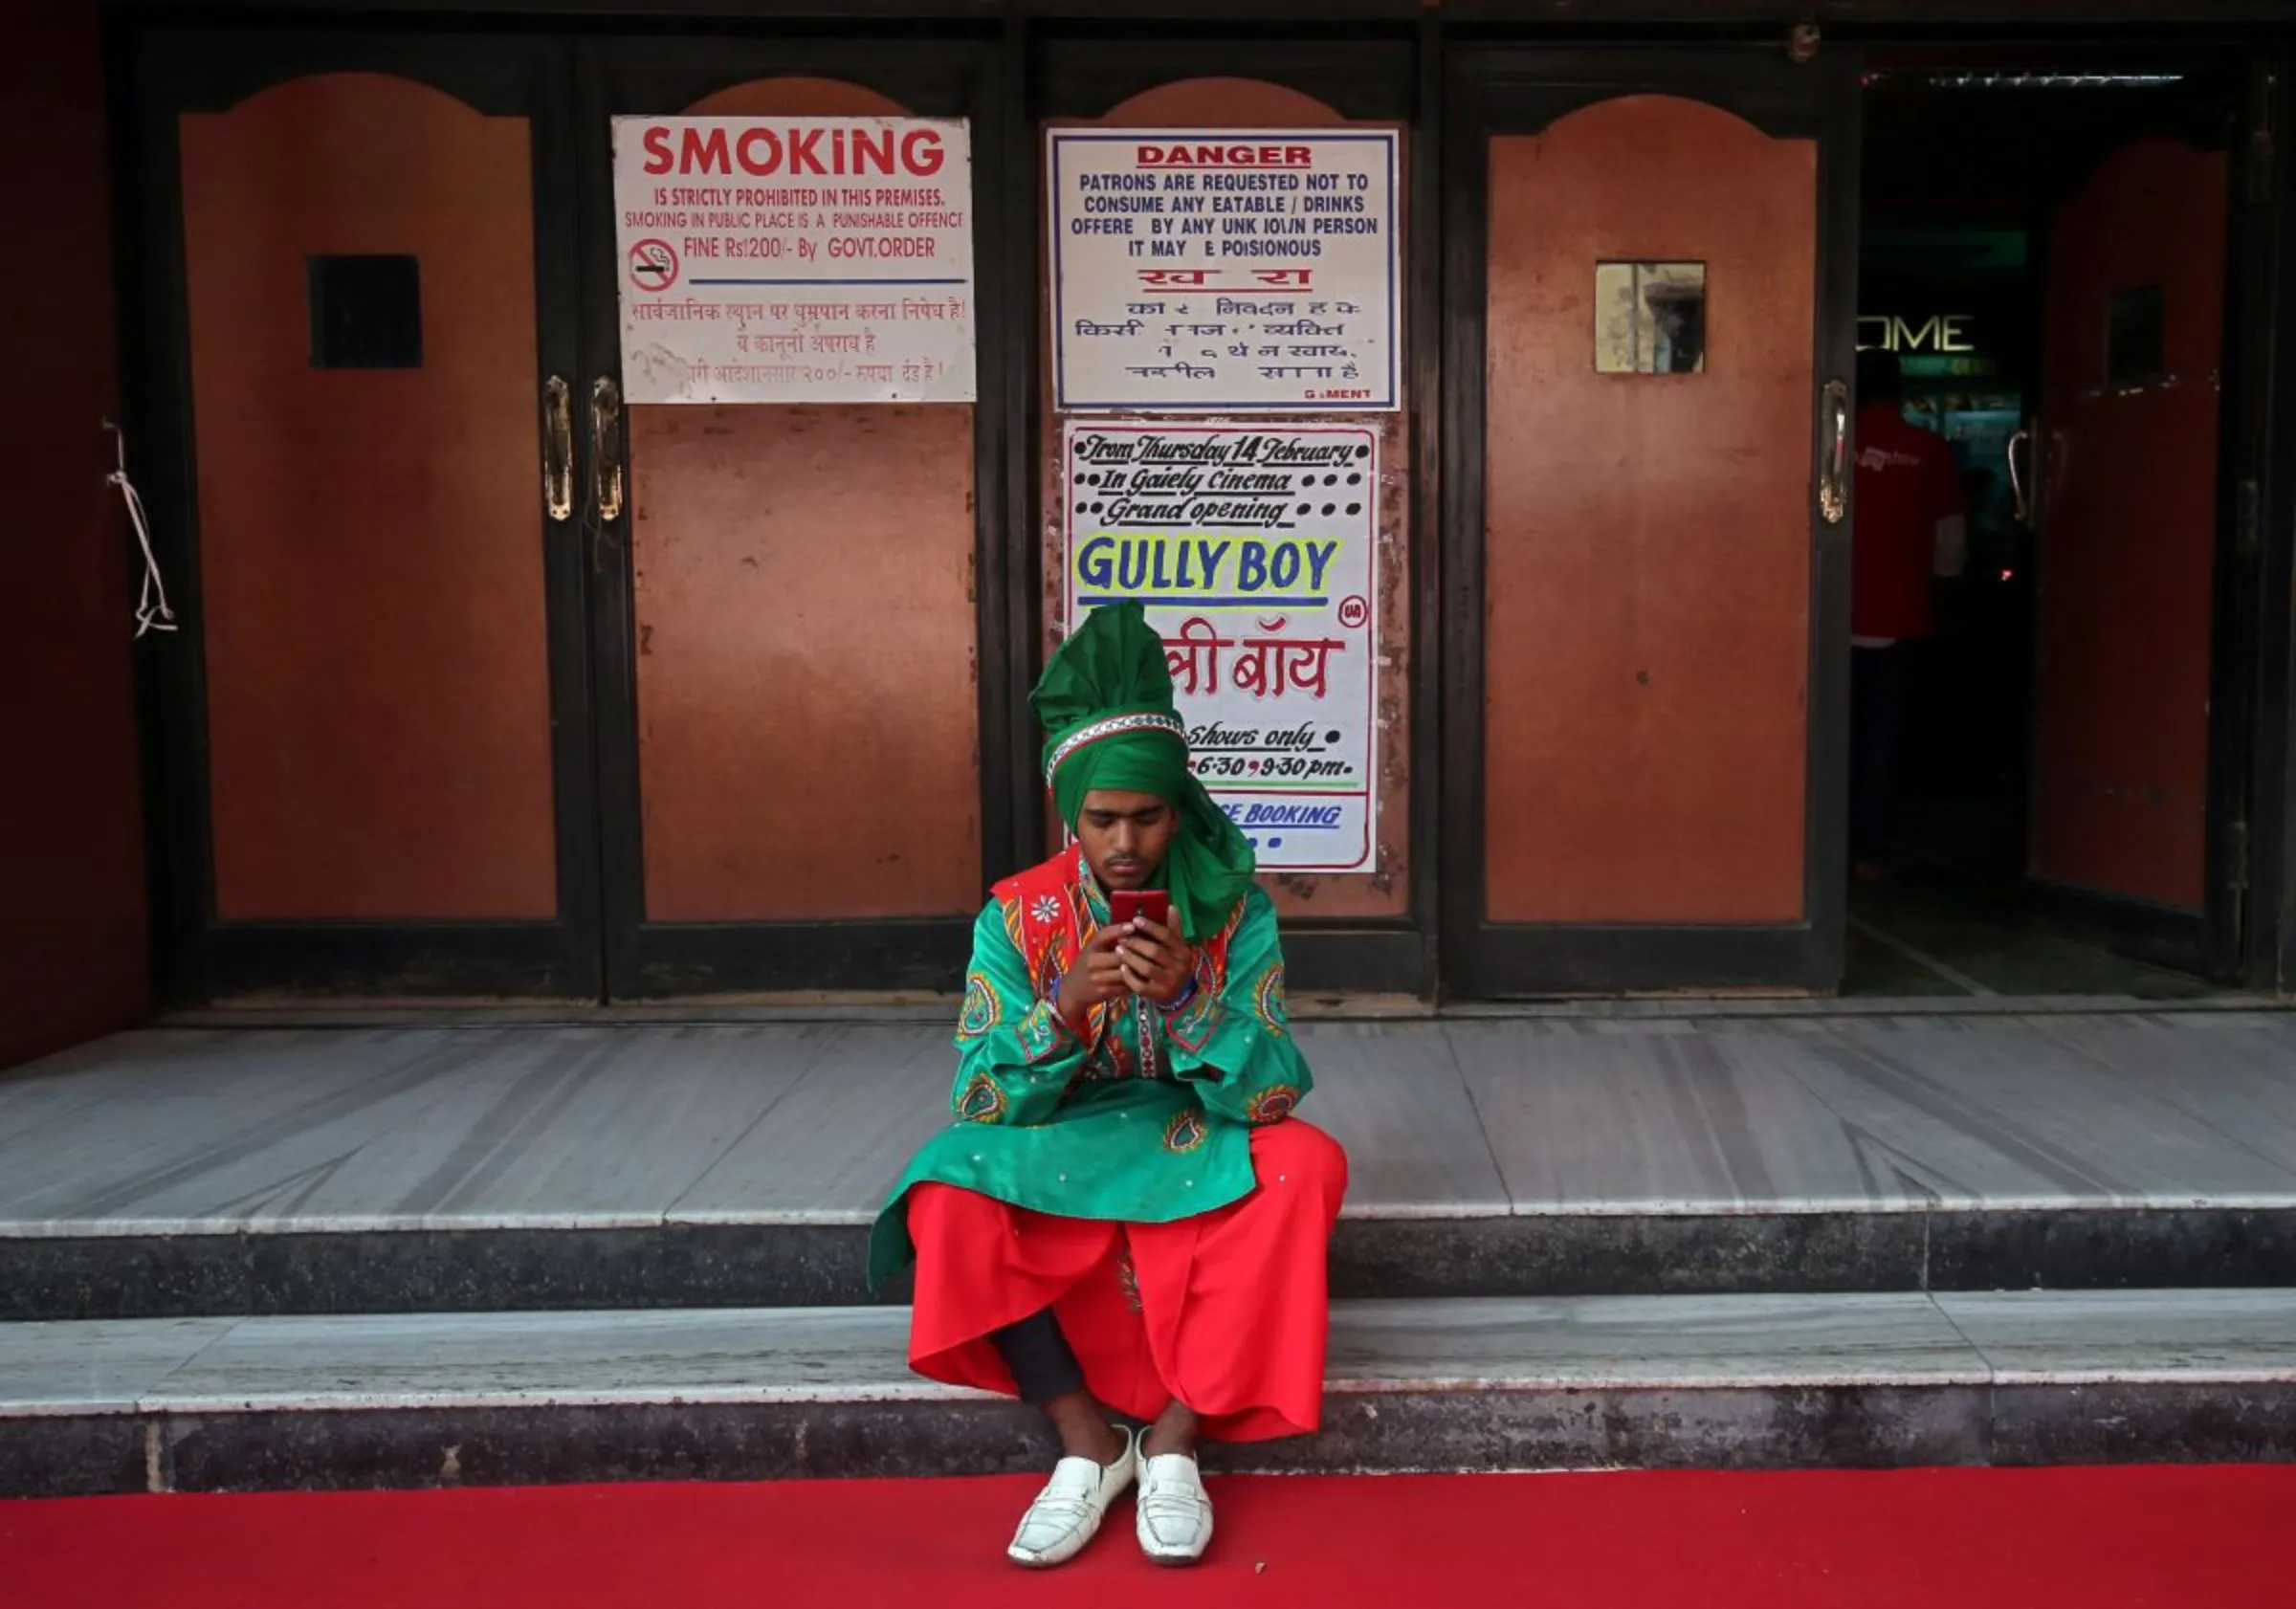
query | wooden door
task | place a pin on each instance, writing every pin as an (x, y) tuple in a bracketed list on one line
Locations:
[(371, 751), (2125, 828), (1650, 317), (792, 641)]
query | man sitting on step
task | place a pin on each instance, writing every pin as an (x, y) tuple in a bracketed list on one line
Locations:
[(1125, 1220)]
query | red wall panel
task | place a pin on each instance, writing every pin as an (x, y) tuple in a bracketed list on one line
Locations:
[(72, 956)]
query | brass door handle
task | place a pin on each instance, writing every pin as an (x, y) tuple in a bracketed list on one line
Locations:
[(2019, 490), (557, 447), (1833, 467), (606, 450)]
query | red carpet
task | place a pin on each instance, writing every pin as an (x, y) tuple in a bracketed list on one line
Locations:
[(2163, 1539)]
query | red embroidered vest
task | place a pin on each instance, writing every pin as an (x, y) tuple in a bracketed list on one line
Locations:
[(1050, 922)]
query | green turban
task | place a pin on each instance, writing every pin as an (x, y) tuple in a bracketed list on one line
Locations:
[(1105, 700)]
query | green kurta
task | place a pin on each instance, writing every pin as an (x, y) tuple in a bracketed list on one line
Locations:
[(1048, 1123)]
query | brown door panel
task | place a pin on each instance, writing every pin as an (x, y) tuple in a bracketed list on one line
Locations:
[(2127, 553), (370, 743), (788, 624), (378, 704), (1645, 701), (1646, 606)]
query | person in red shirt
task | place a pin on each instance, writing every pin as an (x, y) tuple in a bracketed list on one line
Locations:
[(1911, 529)]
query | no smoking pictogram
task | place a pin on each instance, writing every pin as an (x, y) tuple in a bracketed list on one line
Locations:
[(653, 265)]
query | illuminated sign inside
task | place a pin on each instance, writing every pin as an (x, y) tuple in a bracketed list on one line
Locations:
[(1939, 332)]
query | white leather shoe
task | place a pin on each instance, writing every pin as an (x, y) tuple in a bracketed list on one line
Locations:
[(1173, 1513), (1067, 1513)]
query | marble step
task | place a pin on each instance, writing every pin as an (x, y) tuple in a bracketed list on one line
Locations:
[(1852, 1380), (65, 1270), (219, 1171)]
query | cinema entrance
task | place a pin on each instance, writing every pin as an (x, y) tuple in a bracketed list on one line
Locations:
[(505, 677)]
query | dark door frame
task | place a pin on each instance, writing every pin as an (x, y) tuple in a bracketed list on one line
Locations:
[(198, 957), (1521, 89), (2269, 962), (957, 73), (1846, 17), (2248, 546)]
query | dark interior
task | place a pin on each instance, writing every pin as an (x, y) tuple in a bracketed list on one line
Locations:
[(1964, 167)]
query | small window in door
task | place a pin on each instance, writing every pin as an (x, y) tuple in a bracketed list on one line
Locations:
[(367, 311), (2135, 346), (1650, 317)]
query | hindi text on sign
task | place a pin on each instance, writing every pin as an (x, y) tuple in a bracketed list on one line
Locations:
[(840, 249)]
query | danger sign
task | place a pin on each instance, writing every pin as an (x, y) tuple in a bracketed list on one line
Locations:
[(1238, 273), (795, 259)]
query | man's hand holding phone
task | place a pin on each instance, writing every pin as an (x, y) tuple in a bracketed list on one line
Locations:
[(1098, 978), (1139, 952), (1157, 963)]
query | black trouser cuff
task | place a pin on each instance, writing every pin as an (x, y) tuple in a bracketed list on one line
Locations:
[(1042, 1366)]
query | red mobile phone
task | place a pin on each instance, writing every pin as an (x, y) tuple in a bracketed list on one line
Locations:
[(1132, 905)]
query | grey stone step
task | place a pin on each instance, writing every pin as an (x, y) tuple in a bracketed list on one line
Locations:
[(217, 1172), (63, 1272), (1510, 1383)]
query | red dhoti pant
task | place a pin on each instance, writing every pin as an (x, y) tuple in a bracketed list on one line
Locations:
[(1226, 1311)]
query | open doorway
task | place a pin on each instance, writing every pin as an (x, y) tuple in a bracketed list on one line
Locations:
[(2043, 266)]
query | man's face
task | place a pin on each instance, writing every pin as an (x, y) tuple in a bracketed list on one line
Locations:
[(1125, 836)]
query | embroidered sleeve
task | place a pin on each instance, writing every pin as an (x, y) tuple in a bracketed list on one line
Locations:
[(1232, 1040), (1014, 1055)]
